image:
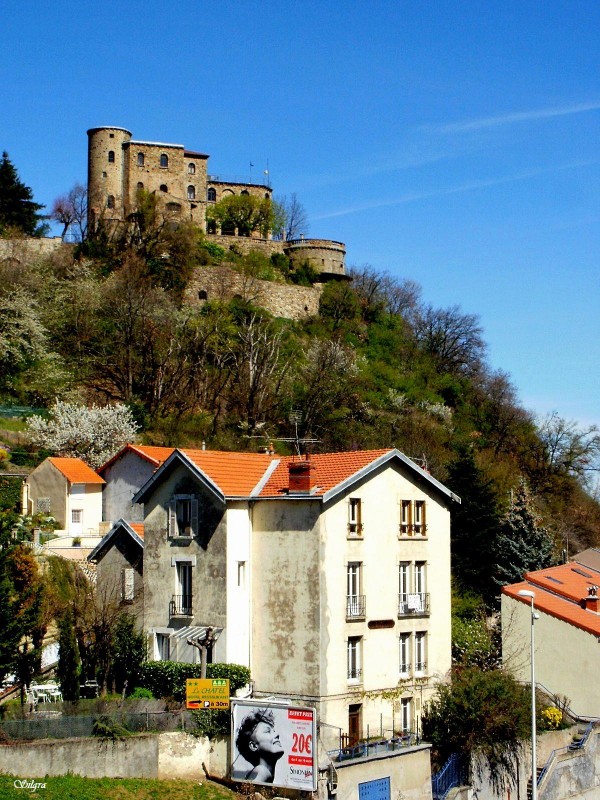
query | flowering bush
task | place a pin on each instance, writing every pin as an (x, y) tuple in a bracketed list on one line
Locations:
[(552, 718)]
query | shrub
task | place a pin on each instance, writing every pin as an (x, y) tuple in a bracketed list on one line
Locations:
[(167, 678), (140, 693), (551, 719)]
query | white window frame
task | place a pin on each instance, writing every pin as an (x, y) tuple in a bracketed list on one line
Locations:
[(406, 714), (419, 520), (355, 526), (404, 653), (421, 652), (354, 659), (241, 574), (77, 516)]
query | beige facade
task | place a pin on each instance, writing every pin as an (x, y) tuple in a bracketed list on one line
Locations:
[(339, 599)]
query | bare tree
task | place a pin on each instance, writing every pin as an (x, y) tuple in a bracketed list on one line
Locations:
[(71, 210), (290, 218), (567, 448), (452, 338)]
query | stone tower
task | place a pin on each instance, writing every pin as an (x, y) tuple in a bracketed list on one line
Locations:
[(105, 173)]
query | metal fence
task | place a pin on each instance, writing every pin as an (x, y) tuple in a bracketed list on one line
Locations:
[(453, 773), (54, 725)]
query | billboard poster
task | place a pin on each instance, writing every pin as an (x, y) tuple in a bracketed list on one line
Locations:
[(274, 744)]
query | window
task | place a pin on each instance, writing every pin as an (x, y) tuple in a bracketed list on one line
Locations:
[(419, 521), (140, 159), (140, 186), (211, 226), (77, 516), (406, 714), (211, 195), (182, 600), (183, 516), (191, 169), (111, 156), (191, 193), (163, 646), (245, 191), (405, 517), (163, 187), (164, 160), (403, 578), (127, 584), (354, 517), (110, 201), (420, 642), (420, 578), (202, 294), (241, 574), (412, 594), (354, 658), (228, 229), (355, 601), (404, 653)]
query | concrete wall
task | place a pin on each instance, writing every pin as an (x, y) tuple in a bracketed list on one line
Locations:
[(47, 482), (124, 478), (281, 299), (123, 553)]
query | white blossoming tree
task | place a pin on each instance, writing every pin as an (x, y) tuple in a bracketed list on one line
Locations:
[(92, 433)]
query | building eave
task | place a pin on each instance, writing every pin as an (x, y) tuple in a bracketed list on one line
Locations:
[(104, 543), (178, 457)]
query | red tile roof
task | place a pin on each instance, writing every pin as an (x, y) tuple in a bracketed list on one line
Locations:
[(75, 470), (235, 474), (328, 470), (137, 527), (155, 455), (558, 592)]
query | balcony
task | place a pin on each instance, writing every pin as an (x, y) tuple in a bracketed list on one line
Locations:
[(355, 674), (356, 606), (181, 605), (413, 605)]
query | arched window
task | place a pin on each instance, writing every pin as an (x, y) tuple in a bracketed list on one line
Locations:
[(140, 185), (163, 187), (267, 196), (211, 195), (140, 160), (110, 201), (202, 295), (244, 191), (111, 156), (191, 169), (164, 160), (191, 193)]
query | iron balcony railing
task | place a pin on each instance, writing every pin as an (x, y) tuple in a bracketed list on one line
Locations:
[(414, 529), (354, 673), (415, 604), (356, 606), (181, 605)]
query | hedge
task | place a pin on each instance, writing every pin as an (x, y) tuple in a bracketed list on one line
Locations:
[(167, 678)]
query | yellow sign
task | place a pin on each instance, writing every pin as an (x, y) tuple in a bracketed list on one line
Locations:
[(207, 693)]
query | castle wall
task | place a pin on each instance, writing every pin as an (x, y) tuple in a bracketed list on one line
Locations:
[(105, 173), (280, 299), (325, 255), (22, 250)]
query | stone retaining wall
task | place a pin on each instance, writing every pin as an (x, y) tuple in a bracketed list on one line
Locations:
[(22, 250)]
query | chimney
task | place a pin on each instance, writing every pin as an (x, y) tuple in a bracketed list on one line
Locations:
[(301, 476), (590, 603)]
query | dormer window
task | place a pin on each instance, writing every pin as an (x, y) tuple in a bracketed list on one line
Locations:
[(164, 160)]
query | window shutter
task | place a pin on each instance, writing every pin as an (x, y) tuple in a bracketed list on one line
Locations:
[(194, 515), (172, 518), (128, 587)]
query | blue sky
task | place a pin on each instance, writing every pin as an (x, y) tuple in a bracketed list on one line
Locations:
[(455, 144)]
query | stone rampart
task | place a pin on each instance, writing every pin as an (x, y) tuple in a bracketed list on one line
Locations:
[(19, 250), (281, 299), (243, 244)]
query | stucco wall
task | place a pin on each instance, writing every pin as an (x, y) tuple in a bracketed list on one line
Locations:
[(286, 585), (47, 481), (379, 550), (566, 658), (124, 553), (206, 551), (123, 479)]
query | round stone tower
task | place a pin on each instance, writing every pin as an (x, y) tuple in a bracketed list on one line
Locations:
[(106, 173), (326, 256)]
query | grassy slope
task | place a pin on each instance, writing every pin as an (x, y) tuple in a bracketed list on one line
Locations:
[(72, 787)]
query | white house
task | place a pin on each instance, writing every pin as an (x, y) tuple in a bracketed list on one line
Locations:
[(567, 630), (329, 576)]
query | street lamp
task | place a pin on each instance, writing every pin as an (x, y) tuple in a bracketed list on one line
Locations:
[(534, 616)]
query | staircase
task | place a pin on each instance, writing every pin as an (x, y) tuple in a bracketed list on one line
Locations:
[(529, 784)]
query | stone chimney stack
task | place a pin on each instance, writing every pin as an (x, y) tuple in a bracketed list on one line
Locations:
[(301, 476)]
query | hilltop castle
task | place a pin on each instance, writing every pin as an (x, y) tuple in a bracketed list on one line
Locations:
[(119, 166)]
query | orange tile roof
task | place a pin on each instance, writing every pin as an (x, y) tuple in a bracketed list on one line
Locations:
[(76, 471), (137, 527), (328, 470), (235, 474), (558, 592), (151, 453)]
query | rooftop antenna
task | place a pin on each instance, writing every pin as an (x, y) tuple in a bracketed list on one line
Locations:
[(295, 418)]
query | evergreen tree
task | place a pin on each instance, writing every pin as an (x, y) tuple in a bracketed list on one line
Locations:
[(17, 208), (522, 544), (129, 652), (69, 662), (475, 527)]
